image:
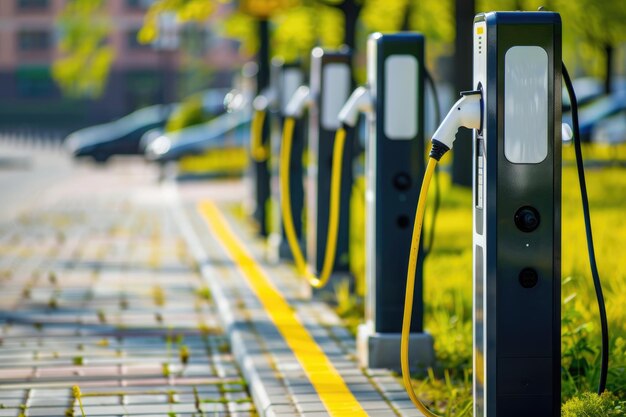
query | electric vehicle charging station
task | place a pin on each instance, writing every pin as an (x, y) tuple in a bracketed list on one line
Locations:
[(517, 215), (260, 167), (287, 78), (330, 85), (393, 102)]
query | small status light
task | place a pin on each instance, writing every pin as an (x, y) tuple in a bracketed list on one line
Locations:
[(480, 30)]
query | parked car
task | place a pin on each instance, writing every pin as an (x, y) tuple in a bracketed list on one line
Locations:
[(594, 113), (230, 130), (611, 131), (197, 108), (149, 137), (587, 89), (119, 137)]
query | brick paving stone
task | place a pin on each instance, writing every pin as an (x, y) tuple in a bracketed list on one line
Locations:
[(98, 290)]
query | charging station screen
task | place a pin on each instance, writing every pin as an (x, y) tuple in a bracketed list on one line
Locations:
[(526, 104), (336, 87), (292, 79), (401, 75)]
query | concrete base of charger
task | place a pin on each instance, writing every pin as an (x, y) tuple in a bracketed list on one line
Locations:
[(382, 350)]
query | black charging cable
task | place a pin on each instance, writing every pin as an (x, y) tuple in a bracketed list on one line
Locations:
[(604, 367), (437, 180)]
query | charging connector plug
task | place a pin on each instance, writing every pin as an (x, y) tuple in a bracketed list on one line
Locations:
[(300, 100), (360, 101), (466, 112), (265, 100)]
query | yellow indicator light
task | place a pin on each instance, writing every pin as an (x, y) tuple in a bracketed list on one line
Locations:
[(480, 30)]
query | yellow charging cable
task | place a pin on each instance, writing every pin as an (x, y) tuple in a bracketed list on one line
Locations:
[(258, 152), (287, 215), (410, 288)]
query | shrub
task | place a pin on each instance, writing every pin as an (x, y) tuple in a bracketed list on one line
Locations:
[(589, 404)]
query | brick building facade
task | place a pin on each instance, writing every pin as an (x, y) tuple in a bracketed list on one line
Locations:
[(140, 75)]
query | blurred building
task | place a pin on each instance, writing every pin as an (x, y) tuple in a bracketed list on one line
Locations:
[(140, 75)]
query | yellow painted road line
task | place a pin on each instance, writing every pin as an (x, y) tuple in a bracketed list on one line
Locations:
[(330, 386)]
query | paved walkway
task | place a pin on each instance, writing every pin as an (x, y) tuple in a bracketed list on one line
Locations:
[(298, 357), (98, 290), (139, 299)]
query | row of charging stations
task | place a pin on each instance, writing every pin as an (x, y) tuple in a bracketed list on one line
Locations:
[(394, 109), (516, 196), (330, 85), (286, 77)]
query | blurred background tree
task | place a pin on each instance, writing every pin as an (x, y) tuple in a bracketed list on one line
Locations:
[(186, 11), (592, 31), (300, 25), (86, 59)]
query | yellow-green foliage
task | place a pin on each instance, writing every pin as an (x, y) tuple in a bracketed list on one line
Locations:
[(244, 28), (189, 113), (296, 30), (294, 33), (383, 15), (590, 404), (588, 27), (83, 66), (230, 161), (186, 11)]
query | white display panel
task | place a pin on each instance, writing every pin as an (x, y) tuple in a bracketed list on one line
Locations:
[(292, 79), (335, 90), (401, 76), (526, 104)]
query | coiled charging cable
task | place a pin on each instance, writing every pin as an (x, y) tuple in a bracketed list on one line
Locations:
[(287, 215)]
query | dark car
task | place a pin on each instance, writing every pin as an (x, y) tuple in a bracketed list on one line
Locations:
[(120, 137)]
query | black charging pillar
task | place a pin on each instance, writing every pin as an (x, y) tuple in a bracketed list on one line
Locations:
[(330, 86), (394, 170), (289, 76), (260, 169), (517, 215)]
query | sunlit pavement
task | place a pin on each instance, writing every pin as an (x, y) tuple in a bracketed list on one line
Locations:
[(104, 277), (97, 290)]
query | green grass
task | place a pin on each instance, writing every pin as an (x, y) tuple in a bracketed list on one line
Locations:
[(448, 287)]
